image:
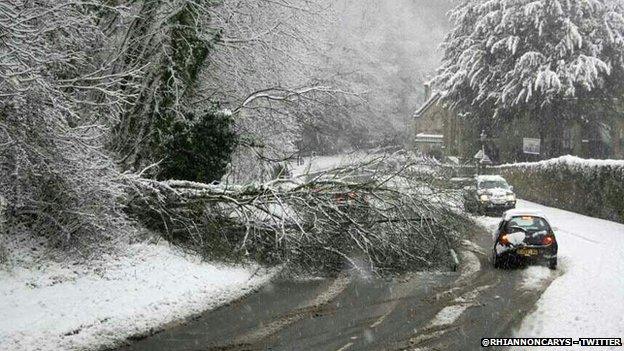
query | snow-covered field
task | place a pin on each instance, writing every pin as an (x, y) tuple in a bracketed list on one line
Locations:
[(323, 163), (143, 288), (587, 300)]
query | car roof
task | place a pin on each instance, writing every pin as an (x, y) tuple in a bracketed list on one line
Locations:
[(523, 212), (481, 178)]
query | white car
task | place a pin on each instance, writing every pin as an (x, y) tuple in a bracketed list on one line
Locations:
[(489, 194)]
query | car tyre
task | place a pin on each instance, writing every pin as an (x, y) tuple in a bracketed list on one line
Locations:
[(552, 263), (497, 262), (480, 211)]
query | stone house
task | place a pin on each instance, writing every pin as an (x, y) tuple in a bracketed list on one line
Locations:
[(439, 130)]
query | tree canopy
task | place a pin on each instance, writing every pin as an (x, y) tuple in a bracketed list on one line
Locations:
[(506, 55)]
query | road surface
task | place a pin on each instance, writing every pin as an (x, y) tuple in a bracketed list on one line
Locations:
[(425, 311)]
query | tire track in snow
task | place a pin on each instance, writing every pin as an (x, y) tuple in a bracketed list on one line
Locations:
[(336, 288)]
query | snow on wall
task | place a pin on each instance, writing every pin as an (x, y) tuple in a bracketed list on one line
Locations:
[(569, 161), (588, 186)]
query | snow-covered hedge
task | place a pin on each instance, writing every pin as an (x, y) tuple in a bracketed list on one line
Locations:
[(591, 187)]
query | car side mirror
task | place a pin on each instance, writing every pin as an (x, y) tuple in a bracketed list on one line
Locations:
[(511, 188)]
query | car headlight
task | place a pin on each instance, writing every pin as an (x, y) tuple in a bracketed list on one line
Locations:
[(485, 197), (511, 197)]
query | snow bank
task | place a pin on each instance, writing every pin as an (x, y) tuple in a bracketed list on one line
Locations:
[(535, 277), (568, 161), (586, 300), (68, 307)]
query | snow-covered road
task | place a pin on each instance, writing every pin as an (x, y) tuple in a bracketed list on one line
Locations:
[(367, 314), (587, 300), (587, 297)]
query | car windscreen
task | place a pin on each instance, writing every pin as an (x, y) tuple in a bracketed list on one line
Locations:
[(528, 223), (492, 184)]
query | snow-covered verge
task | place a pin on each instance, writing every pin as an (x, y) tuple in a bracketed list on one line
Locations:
[(586, 300), (140, 289)]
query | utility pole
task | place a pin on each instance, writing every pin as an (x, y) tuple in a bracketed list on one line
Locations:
[(481, 158)]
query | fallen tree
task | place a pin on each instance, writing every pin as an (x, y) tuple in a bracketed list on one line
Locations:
[(372, 216)]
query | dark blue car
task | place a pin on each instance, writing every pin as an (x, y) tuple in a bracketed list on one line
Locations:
[(524, 236)]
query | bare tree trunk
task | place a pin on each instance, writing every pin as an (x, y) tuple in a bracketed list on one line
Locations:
[(3, 217)]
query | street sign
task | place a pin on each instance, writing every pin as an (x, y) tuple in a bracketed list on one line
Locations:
[(531, 146), (485, 160), (482, 158), (478, 155)]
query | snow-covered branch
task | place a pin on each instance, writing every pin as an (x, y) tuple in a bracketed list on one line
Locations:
[(371, 211), (505, 54)]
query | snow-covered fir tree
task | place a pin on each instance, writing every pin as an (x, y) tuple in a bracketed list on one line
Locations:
[(520, 55)]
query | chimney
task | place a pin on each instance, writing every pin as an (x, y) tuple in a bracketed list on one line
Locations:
[(427, 91)]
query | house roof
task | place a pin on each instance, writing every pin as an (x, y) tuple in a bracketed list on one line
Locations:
[(432, 101), (429, 138)]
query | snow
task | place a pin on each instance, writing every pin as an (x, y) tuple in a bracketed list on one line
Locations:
[(516, 238), (324, 163), (486, 177), (432, 136), (586, 300), (535, 277), (561, 51), (140, 289), (569, 161), (448, 315), (469, 267)]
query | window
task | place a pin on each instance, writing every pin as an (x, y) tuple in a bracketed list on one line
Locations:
[(567, 138), (493, 184), (528, 223)]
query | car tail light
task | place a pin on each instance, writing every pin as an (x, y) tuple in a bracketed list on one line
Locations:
[(504, 239), (548, 240)]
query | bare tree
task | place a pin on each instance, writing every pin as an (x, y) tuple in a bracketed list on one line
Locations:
[(170, 41), (270, 68), (59, 90)]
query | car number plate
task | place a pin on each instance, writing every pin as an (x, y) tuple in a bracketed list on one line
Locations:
[(527, 252), (499, 200)]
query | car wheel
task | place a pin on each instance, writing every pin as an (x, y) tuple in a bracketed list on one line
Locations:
[(552, 263), (497, 262)]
